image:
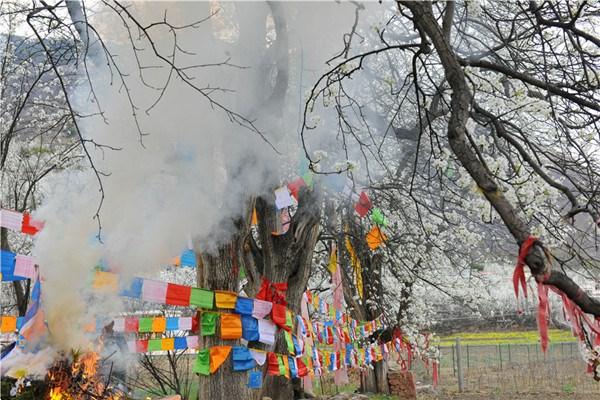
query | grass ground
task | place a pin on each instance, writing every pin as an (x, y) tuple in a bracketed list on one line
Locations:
[(555, 335)]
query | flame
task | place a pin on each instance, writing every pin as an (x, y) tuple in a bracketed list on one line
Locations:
[(81, 379)]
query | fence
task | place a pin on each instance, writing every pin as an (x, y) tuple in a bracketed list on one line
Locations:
[(511, 368)]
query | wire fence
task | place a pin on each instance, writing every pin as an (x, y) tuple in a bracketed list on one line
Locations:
[(511, 368)]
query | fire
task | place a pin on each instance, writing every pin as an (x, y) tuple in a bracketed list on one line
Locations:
[(79, 377)]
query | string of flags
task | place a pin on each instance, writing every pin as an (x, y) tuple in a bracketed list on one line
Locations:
[(18, 221), (285, 196)]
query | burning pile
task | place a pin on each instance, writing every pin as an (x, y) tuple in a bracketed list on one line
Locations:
[(81, 379), (82, 375)]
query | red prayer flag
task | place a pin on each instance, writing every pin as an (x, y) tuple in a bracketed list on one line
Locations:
[(295, 186), (132, 324), (302, 370), (178, 295), (273, 367), (278, 316), (363, 205), (31, 226)]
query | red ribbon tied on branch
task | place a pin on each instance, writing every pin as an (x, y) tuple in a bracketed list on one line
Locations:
[(519, 274)]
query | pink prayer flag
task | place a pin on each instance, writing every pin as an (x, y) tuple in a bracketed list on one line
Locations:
[(191, 341), (154, 291), (11, 219), (24, 266), (261, 309), (119, 325)]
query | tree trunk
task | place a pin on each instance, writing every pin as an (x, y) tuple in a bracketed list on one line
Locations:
[(288, 258)]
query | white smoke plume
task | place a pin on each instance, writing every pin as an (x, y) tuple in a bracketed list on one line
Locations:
[(169, 185)]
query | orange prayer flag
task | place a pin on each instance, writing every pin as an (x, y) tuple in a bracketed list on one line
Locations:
[(90, 326), (375, 238), (254, 218), (231, 326), (218, 355), (9, 323), (225, 299), (175, 261), (159, 324), (106, 281)]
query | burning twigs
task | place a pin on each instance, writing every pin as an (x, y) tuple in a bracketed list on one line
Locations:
[(79, 377)]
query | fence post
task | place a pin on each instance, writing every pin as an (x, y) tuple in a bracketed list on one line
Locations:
[(453, 365), (509, 358), (459, 365), (468, 358), (500, 355)]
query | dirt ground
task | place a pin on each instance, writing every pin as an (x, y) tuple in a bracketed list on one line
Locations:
[(513, 396)]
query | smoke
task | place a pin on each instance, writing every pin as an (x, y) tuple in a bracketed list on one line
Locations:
[(188, 169)]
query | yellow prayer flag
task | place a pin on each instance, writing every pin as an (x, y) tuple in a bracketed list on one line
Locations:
[(167, 343), (356, 267), (333, 261), (106, 281), (254, 218), (159, 324), (225, 299)]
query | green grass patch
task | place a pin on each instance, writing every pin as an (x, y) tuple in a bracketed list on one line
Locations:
[(555, 335)]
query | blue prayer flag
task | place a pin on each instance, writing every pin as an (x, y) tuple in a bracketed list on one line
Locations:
[(7, 265), (255, 381), (244, 305), (242, 359), (180, 343), (188, 259), (134, 290), (249, 328), (172, 323), (293, 369)]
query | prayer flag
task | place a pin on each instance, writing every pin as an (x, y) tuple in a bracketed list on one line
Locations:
[(225, 298), (202, 298), (188, 259), (168, 344), (273, 366), (279, 316), (154, 291), (242, 358), (375, 237), (255, 380), (12, 220), (254, 217), (154, 345), (283, 198), (244, 305), (159, 324), (24, 266), (218, 355), (178, 295), (145, 325), (261, 308), (131, 288), (249, 328), (231, 326), (266, 331), (295, 185), (9, 323), (302, 370), (378, 217), (30, 225), (363, 205), (106, 281), (202, 364), (209, 323), (293, 368), (259, 356)]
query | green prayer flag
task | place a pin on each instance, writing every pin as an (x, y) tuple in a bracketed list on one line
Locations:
[(378, 217), (308, 179), (289, 341), (332, 312), (154, 345), (202, 364), (202, 298), (145, 325), (282, 370), (209, 323), (449, 169)]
